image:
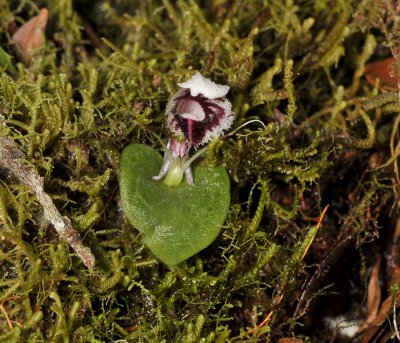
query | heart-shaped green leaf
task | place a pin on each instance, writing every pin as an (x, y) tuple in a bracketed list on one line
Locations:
[(179, 221)]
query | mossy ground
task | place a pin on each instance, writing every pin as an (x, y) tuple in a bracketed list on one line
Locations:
[(102, 80)]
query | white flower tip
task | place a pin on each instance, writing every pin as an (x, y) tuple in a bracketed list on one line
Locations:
[(198, 84)]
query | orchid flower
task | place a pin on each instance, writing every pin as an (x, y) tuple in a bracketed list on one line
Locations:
[(195, 114)]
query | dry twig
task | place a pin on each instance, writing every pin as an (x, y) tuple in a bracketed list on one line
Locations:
[(11, 158)]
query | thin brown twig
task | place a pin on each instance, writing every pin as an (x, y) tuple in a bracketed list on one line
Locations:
[(259, 326), (320, 218), (264, 322), (12, 158), (4, 311)]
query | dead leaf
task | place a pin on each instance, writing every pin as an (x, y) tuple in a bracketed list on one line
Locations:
[(393, 257), (384, 313), (30, 36), (384, 71), (374, 292), (290, 340)]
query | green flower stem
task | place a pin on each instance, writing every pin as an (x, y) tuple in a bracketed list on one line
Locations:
[(186, 163)]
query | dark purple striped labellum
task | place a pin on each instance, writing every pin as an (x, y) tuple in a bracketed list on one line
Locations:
[(198, 118), (196, 114)]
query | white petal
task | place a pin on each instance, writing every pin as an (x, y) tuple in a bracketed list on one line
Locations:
[(199, 84)]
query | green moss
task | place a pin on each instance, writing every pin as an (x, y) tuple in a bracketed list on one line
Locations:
[(102, 81)]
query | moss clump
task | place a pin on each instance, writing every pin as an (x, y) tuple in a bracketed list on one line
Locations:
[(310, 131)]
